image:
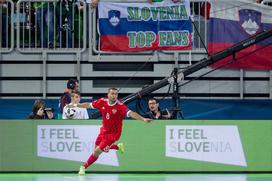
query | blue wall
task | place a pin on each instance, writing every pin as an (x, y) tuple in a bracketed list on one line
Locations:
[(192, 109), (227, 109)]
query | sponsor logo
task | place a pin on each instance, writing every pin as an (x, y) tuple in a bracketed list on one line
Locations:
[(114, 111), (71, 142), (218, 144)]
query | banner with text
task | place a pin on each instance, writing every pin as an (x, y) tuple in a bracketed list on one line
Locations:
[(125, 27), (71, 142), (172, 145), (213, 143)]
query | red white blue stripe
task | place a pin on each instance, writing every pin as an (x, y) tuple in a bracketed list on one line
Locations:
[(235, 20)]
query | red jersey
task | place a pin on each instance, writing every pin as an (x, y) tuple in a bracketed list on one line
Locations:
[(112, 116)]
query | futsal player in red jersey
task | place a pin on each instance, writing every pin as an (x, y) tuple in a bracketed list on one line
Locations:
[(113, 112)]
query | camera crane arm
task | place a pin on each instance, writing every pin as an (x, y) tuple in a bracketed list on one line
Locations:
[(195, 67)]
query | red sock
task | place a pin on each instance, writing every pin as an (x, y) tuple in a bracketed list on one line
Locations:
[(114, 147), (90, 161)]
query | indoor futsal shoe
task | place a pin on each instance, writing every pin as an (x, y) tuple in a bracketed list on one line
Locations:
[(81, 170), (121, 148)]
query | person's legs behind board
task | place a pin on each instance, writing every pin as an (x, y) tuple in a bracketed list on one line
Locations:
[(50, 26), (3, 30)]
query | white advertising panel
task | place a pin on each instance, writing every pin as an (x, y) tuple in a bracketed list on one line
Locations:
[(218, 144), (71, 142)]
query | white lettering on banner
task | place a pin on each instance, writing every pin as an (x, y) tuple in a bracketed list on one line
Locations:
[(218, 144), (207, 177), (93, 177), (71, 142)]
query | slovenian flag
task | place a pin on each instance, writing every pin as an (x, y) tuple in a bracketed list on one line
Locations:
[(125, 27), (233, 21)]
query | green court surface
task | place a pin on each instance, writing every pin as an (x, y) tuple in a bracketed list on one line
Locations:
[(136, 177)]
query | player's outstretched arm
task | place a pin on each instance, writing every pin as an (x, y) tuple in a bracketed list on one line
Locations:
[(85, 105), (139, 117), (81, 105)]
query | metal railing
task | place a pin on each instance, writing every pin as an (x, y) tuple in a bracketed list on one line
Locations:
[(267, 2), (51, 25), (6, 26), (65, 26), (61, 25)]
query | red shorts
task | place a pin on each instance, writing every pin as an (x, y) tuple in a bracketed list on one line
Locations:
[(104, 141)]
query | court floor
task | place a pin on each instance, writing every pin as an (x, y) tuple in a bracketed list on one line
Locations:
[(136, 177)]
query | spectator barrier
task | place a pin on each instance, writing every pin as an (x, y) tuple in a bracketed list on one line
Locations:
[(170, 146)]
